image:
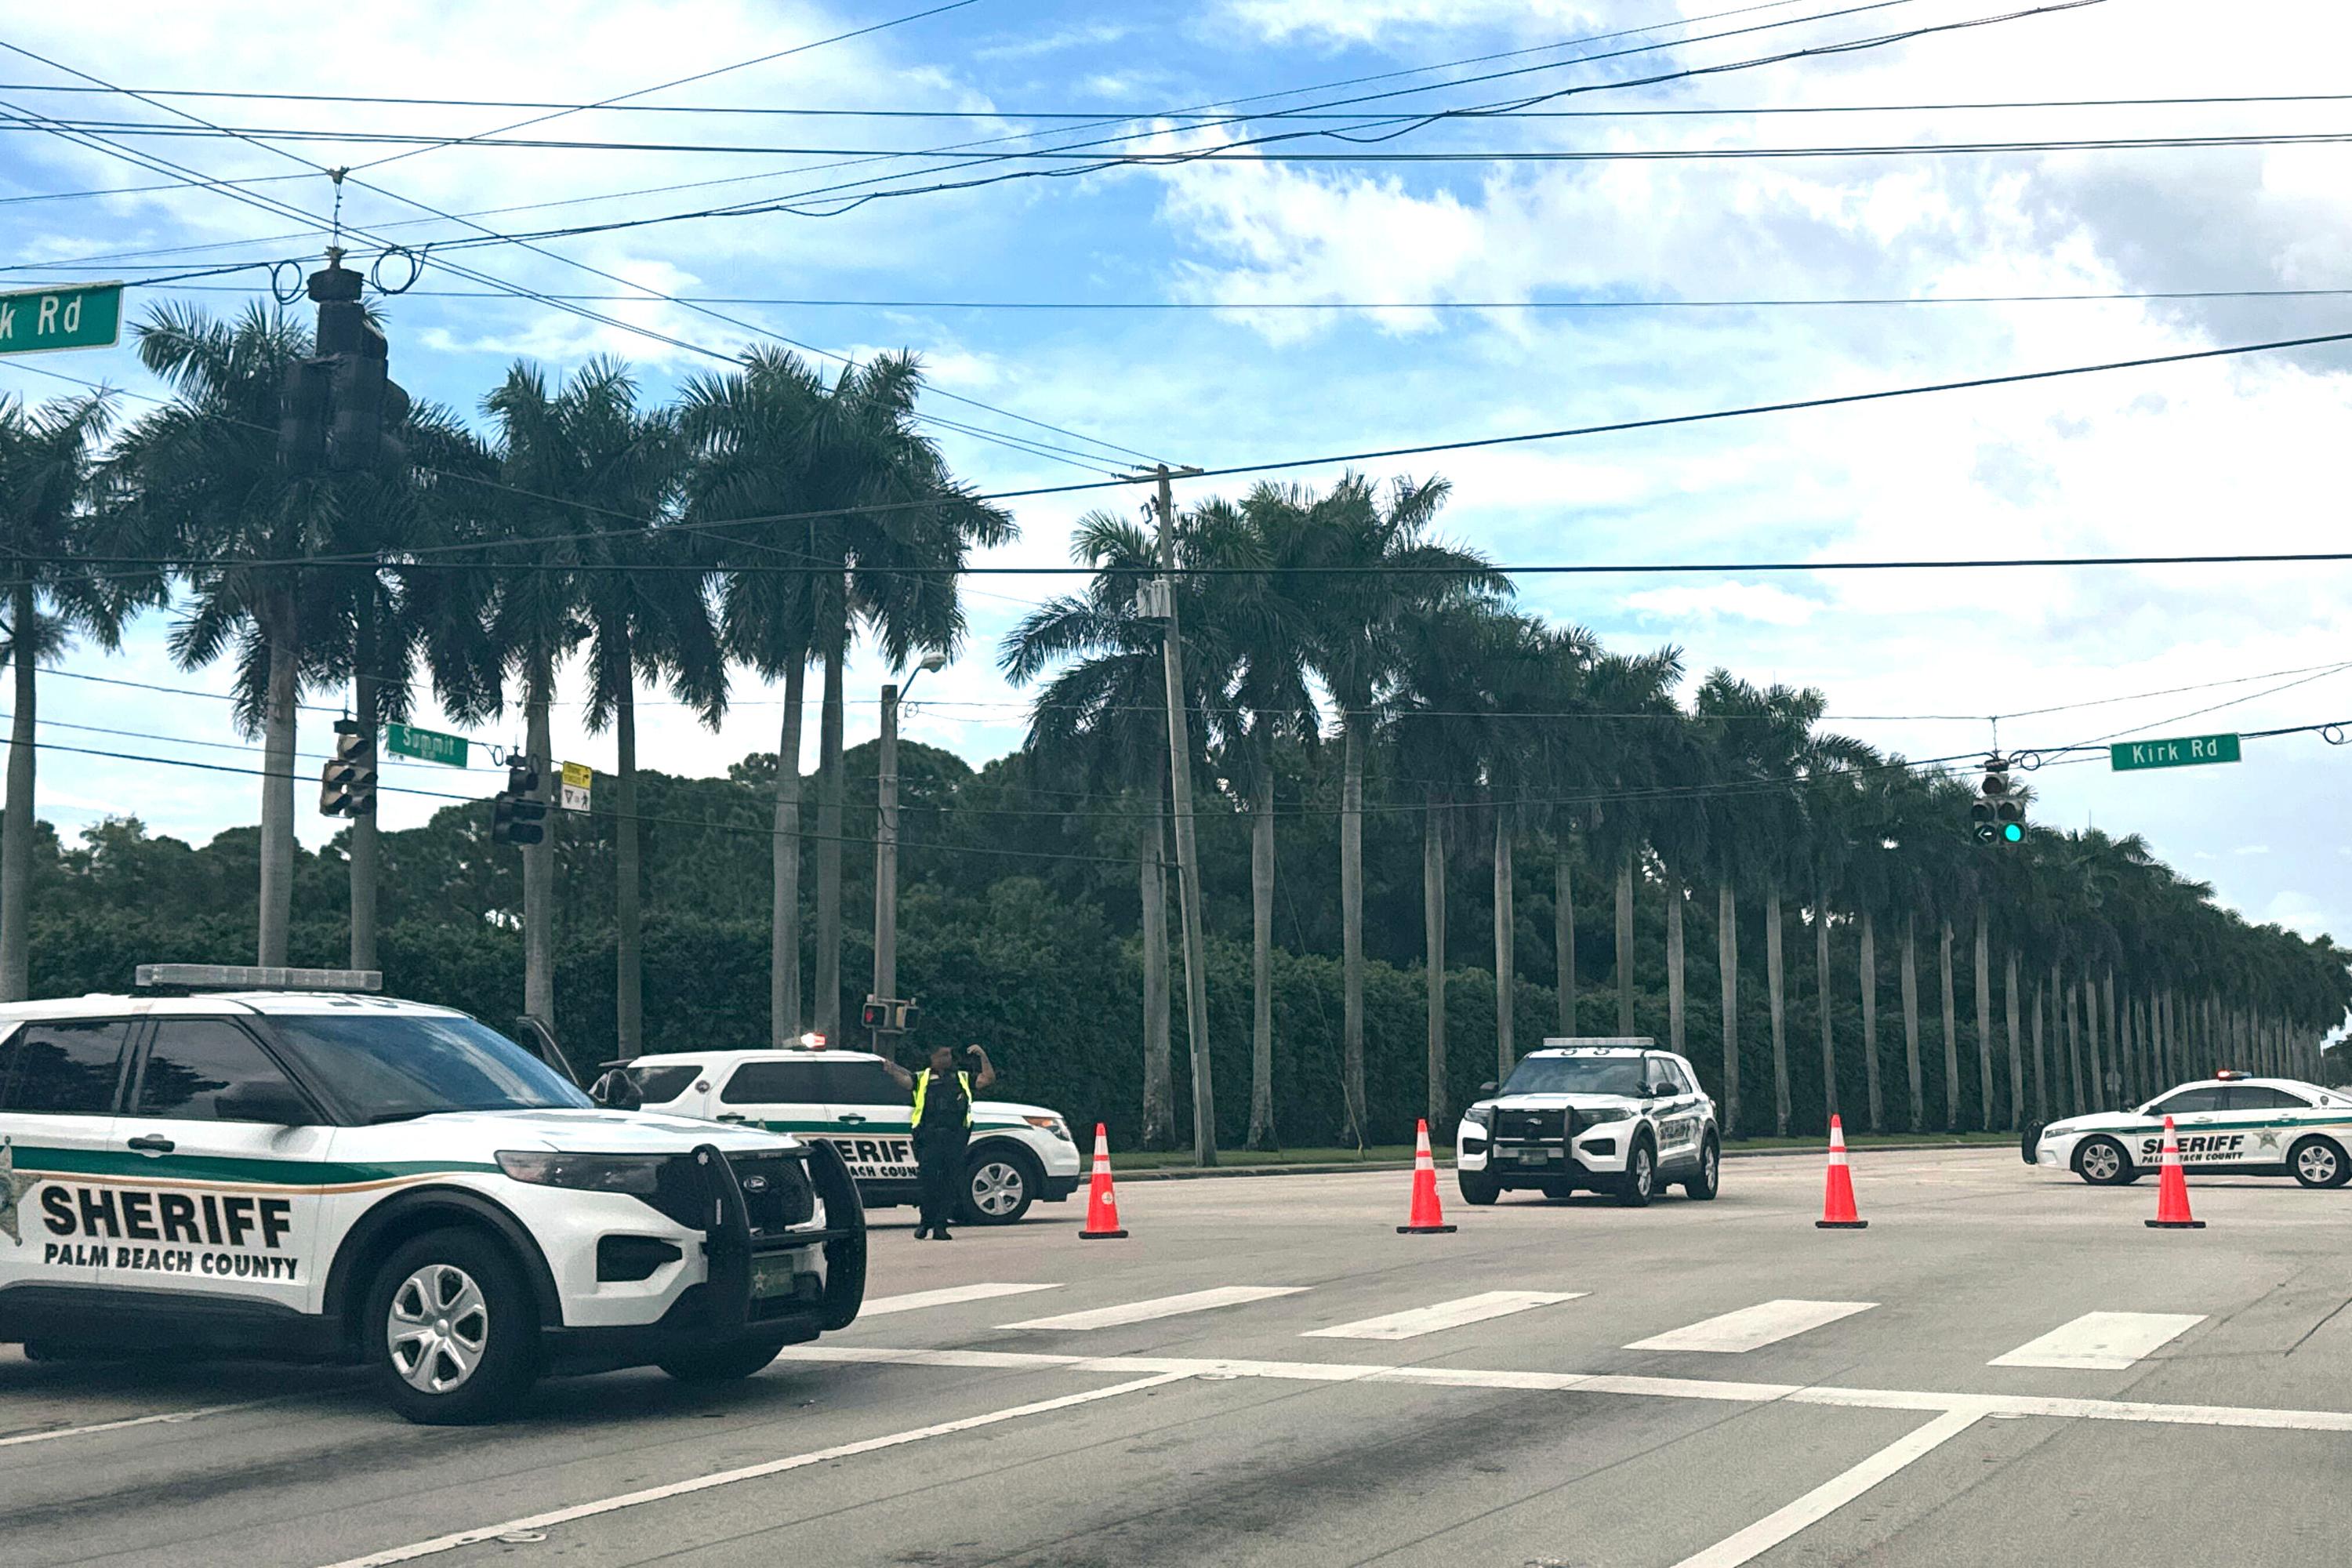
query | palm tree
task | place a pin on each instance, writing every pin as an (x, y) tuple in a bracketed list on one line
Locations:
[(54, 515), (211, 490), (1104, 717), (893, 533), (1394, 571)]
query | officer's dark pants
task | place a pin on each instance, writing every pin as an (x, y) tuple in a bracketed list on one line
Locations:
[(939, 1158)]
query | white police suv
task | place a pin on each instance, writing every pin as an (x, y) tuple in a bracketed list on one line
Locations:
[(1616, 1115), (2246, 1126), (316, 1173), (1019, 1154)]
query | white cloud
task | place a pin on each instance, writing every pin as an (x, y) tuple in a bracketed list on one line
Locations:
[(1726, 601), (1369, 21)]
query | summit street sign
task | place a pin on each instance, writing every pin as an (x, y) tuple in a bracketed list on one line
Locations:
[(84, 316), (2189, 750)]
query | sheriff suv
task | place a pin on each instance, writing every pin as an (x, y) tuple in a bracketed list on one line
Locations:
[(321, 1174), (1018, 1155), (1614, 1115)]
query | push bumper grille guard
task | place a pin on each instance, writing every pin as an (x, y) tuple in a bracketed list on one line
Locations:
[(729, 1245)]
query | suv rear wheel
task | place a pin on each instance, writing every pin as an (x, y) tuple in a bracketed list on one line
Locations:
[(1709, 1175), (450, 1328)]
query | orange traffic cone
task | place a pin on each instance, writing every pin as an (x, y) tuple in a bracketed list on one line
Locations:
[(2172, 1189), (1837, 1199), (1425, 1218), (1102, 1204)]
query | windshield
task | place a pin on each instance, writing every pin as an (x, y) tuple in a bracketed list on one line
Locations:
[(1576, 1075), (386, 1067)]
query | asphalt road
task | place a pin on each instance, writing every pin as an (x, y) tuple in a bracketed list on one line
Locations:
[(1689, 1384)]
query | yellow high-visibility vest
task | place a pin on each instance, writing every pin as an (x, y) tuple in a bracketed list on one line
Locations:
[(924, 1078)]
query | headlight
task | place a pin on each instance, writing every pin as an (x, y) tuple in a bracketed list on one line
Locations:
[(1595, 1118), (1053, 1124), (639, 1176), (1479, 1116)]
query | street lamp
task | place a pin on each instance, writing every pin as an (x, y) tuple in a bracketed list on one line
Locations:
[(886, 842)]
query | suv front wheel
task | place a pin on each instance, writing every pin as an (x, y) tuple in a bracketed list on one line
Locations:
[(1000, 1182), (450, 1328)]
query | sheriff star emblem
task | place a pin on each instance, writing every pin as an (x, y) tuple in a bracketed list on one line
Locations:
[(2267, 1138), (13, 1188)]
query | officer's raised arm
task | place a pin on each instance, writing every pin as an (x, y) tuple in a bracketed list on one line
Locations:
[(898, 1074), (987, 1074)]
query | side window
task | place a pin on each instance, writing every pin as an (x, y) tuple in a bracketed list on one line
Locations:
[(2187, 1100), (768, 1083), (1657, 1069), (660, 1085), (65, 1068), (195, 1064), (1682, 1076), (862, 1083), (2256, 1096)]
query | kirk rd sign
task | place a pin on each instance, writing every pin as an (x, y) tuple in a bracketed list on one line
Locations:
[(2185, 751)]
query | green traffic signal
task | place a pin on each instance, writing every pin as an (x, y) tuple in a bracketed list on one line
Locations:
[(2013, 832)]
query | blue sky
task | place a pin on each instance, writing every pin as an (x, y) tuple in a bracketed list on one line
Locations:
[(2179, 458)]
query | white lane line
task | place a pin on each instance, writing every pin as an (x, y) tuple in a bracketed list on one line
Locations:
[(1161, 1307), (1445, 1315), (1753, 1328), (168, 1417), (1831, 1495), (1931, 1402), (913, 1300), (2101, 1342), (555, 1517)]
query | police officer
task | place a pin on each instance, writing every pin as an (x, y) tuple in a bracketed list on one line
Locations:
[(943, 1121)]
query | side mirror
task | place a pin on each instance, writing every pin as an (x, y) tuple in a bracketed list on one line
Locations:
[(1486, 1087), (274, 1104), (1656, 1090), (616, 1091)]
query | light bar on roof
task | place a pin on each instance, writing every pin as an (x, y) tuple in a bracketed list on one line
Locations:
[(257, 977)]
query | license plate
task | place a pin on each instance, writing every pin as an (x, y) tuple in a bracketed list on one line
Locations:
[(1533, 1156), (771, 1276)]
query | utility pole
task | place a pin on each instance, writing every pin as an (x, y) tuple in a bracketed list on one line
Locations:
[(1188, 863), (886, 850)]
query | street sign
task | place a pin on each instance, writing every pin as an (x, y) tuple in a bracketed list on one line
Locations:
[(577, 777), (83, 316), (2189, 750), (424, 746)]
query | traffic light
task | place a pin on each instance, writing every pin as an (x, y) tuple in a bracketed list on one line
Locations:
[(347, 782), (515, 816), (1997, 815), (339, 410)]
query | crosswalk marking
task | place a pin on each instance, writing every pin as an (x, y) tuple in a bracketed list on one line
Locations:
[(2101, 1342), (912, 1300), (1445, 1315), (1161, 1307), (1752, 1327)]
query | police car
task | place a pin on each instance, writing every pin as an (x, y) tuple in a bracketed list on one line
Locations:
[(1019, 1154), (2246, 1126), (1615, 1115), (319, 1173)]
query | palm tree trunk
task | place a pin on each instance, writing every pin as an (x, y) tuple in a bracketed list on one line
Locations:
[(365, 847), (1821, 1000), (2074, 1051), (784, 1013), (1563, 937), (1506, 928), (1351, 929), (278, 788), (1911, 1022), (2041, 1074), (1984, 1119), (1261, 1127), (1432, 928), (1158, 1092), (1776, 994), (1726, 958), (1870, 1022), (628, 885), (538, 860), (1625, 944), (830, 786), (1675, 965), (1951, 1038), (2012, 1007), (2100, 1100), (17, 850), (2115, 1041)]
